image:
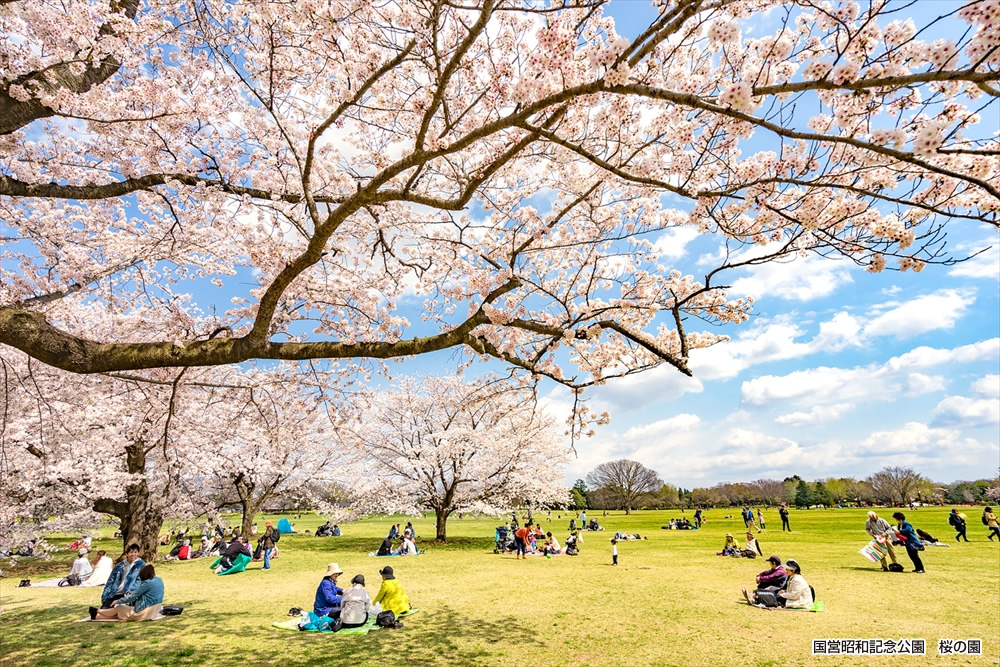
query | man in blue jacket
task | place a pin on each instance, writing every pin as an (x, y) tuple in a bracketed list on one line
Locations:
[(124, 577)]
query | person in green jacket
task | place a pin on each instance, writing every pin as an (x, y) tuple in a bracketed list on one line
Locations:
[(391, 594)]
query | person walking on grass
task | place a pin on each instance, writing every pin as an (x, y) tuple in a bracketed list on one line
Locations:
[(990, 519), (880, 531), (614, 552), (908, 536), (957, 522), (783, 511), (760, 518)]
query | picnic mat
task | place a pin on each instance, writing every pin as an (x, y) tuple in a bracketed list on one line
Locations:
[(293, 624), (115, 620)]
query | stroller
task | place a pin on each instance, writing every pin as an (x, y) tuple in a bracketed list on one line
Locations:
[(504, 541)]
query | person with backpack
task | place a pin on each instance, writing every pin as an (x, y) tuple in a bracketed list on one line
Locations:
[(908, 536), (267, 542), (957, 521), (990, 521), (880, 531)]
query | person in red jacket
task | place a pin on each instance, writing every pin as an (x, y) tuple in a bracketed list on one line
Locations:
[(521, 537)]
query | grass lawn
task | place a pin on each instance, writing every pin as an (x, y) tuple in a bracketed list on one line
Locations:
[(671, 601)]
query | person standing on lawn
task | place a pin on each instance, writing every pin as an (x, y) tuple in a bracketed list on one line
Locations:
[(957, 522), (784, 518), (880, 531), (521, 537), (267, 543), (908, 536)]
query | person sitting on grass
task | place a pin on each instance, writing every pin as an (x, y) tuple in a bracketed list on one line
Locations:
[(552, 544), (336, 531), (752, 544), (386, 548), (102, 570), (775, 575), (356, 604), (391, 594), (236, 547), (124, 577), (141, 604), (329, 595), (81, 566), (795, 595), (731, 547), (408, 547)]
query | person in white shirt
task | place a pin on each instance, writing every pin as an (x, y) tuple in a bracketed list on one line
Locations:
[(81, 566), (552, 544), (797, 594), (102, 570), (409, 547), (356, 605)]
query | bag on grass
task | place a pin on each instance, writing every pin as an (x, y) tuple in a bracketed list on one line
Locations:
[(895, 567), (385, 619), (71, 580), (171, 610)]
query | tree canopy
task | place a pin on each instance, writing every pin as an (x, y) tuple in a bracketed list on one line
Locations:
[(509, 163)]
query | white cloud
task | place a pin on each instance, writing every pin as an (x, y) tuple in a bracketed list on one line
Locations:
[(664, 427), (988, 386), (985, 265), (672, 244), (820, 413), (960, 410), (930, 312), (865, 383), (913, 437), (803, 279)]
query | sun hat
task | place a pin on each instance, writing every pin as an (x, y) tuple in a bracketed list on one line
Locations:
[(387, 572), (83, 551), (267, 523), (358, 579), (775, 560), (333, 568), (872, 515), (729, 534), (794, 565)]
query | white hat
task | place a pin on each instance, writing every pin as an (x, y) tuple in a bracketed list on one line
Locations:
[(333, 568), (872, 515), (83, 551)]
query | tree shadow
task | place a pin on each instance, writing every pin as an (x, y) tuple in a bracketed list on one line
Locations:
[(53, 637)]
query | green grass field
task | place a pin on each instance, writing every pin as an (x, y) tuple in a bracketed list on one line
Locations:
[(671, 601)]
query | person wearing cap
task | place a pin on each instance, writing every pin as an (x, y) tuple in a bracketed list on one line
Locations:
[(796, 593), (391, 594), (267, 544), (329, 595), (81, 566), (881, 532), (753, 544), (356, 605), (731, 547), (775, 575)]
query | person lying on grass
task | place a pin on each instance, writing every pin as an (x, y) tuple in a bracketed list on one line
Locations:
[(141, 604), (391, 594), (775, 575)]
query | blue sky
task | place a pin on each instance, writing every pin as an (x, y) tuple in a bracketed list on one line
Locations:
[(838, 373)]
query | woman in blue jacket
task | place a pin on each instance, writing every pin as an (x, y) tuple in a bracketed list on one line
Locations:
[(910, 540), (141, 604)]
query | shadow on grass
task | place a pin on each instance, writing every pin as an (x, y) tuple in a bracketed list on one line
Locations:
[(50, 637)]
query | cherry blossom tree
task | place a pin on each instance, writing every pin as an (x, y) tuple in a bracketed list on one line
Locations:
[(455, 446), (511, 163)]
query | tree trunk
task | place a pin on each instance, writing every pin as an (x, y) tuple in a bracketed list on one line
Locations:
[(441, 521), (139, 521), (250, 511)]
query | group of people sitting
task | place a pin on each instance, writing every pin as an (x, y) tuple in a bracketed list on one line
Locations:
[(584, 525), (132, 592), (680, 524), (732, 547), (85, 572), (326, 530), (407, 545), (337, 608), (781, 586)]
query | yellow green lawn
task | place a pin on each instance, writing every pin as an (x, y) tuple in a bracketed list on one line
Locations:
[(672, 601)]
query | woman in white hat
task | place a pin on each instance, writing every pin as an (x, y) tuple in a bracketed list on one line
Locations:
[(81, 566), (329, 595)]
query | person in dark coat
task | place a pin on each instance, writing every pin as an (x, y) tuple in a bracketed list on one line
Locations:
[(908, 536), (958, 523), (235, 548)]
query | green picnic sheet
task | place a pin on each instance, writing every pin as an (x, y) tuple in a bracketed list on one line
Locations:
[(293, 624)]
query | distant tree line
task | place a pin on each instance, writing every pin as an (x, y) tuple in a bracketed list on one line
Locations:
[(625, 484)]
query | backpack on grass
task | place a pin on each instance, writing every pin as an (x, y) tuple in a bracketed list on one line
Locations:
[(895, 567)]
